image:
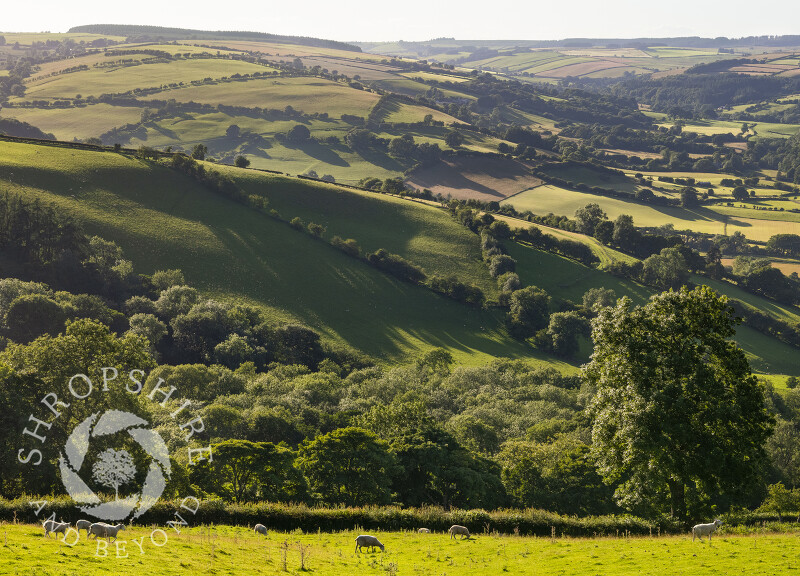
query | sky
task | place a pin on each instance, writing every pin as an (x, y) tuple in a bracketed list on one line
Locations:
[(410, 20)]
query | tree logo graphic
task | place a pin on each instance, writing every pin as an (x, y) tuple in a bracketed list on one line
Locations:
[(114, 468)]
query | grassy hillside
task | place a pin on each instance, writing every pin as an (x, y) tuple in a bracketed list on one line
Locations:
[(164, 220), (423, 234)]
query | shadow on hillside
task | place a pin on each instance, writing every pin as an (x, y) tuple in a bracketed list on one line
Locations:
[(381, 159)]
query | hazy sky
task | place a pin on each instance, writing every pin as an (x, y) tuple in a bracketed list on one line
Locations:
[(369, 20)]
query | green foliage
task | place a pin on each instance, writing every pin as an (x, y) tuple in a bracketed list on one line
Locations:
[(348, 466), (557, 476), (779, 500), (199, 151), (564, 330), (528, 312), (396, 266), (668, 269), (678, 418), (243, 471), (241, 162)]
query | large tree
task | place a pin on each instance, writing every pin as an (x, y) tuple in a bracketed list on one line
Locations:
[(678, 418)]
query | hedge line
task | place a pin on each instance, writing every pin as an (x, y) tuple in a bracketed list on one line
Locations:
[(287, 517)]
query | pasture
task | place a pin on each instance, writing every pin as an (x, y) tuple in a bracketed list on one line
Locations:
[(97, 81), (305, 93), (163, 219), (79, 122), (712, 220), (239, 551)]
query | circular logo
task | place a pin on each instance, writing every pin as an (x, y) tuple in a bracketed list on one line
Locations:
[(114, 468)]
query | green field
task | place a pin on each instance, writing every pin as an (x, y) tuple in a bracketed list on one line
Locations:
[(164, 220), (308, 95), (97, 81), (239, 551), (80, 122), (545, 199)]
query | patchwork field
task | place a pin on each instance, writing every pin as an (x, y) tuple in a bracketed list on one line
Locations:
[(481, 178), (712, 220), (239, 551)]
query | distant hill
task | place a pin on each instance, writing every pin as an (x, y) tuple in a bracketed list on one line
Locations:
[(160, 32)]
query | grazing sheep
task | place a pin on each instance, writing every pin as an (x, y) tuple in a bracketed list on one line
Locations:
[(261, 529), (83, 525), (55, 527), (103, 530), (424, 531), (701, 530), (456, 529), (368, 541)]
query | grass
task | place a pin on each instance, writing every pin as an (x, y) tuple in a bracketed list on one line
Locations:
[(306, 94), (239, 551), (423, 234), (545, 199), (97, 81), (81, 123), (164, 220)]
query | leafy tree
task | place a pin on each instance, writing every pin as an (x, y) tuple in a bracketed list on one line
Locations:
[(176, 300), (597, 298), (114, 468), (604, 232), (786, 244), (501, 264), (528, 312), (625, 233), (668, 269), (164, 279), (783, 448), (233, 131), (558, 476), (241, 162), (298, 134), (454, 139), (244, 471), (688, 197), (199, 151), (589, 217), (348, 466), (33, 315), (564, 330), (678, 418), (402, 147), (740, 193), (781, 500), (149, 327)]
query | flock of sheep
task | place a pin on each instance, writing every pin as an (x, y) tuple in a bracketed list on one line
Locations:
[(96, 529), (108, 531)]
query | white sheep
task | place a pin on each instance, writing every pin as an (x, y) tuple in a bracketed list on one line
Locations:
[(368, 541), (103, 530), (260, 529), (456, 529), (424, 531), (701, 530), (55, 527), (83, 525)]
